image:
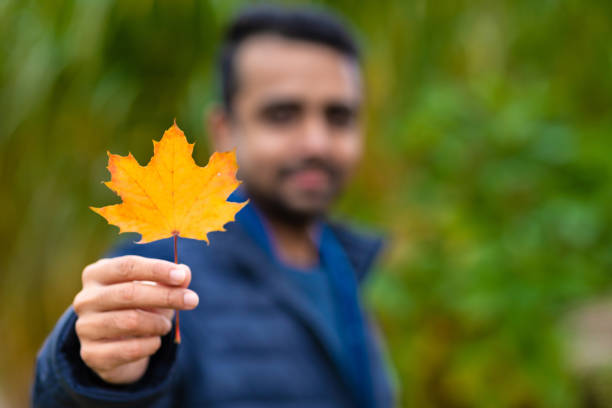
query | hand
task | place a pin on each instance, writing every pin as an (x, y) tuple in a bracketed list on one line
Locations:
[(125, 306)]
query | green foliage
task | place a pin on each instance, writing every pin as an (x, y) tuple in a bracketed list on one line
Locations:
[(488, 165)]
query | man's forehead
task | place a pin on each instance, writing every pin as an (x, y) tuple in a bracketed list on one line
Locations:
[(270, 65)]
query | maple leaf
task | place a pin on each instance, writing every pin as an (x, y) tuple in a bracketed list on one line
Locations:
[(172, 195)]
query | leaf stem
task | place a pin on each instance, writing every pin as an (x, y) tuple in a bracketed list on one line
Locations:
[(177, 333)]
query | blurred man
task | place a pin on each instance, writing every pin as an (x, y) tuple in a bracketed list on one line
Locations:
[(278, 322)]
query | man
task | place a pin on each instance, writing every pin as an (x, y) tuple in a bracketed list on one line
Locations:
[(278, 322)]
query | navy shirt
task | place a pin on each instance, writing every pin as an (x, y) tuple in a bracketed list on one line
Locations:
[(314, 284)]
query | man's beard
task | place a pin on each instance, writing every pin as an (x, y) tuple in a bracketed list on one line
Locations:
[(277, 207)]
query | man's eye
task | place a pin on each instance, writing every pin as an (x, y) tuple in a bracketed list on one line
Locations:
[(281, 114), (340, 116)]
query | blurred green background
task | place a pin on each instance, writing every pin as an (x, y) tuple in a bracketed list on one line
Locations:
[(488, 165)]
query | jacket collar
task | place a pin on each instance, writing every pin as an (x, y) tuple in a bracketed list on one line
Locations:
[(361, 248)]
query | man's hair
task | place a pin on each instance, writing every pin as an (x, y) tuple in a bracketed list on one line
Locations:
[(309, 25)]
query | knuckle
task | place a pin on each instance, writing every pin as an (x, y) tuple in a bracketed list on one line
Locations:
[(79, 302), (87, 272), (164, 326), (168, 314), (127, 292), (156, 344), (126, 267), (129, 321), (132, 350), (168, 298), (159, 271), (79, 327), (87, 355), (105, 374)]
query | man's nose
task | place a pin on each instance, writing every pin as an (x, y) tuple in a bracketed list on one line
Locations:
[(315, 136)]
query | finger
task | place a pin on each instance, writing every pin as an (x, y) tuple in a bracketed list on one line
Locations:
[(107, 355), (122, 323), (167, 313), (131, 267), (133, 295)]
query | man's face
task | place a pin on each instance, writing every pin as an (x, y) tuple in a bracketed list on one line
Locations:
[(295, 123)]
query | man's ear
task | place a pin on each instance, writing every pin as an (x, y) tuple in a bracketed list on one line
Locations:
[(218, 127)]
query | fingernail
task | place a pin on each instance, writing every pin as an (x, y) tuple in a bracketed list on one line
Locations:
[(190, 299), (177, 275)]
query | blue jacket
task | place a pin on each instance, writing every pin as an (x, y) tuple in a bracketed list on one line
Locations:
[(253, 341)]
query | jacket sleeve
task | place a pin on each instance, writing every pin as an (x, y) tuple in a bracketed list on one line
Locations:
[(63, 380)]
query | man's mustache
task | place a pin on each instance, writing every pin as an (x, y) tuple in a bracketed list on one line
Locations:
[(331, 170)]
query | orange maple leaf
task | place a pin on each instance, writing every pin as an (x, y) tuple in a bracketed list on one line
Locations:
[(172, 195)]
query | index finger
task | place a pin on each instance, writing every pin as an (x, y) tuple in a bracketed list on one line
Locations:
[(132, 267)]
